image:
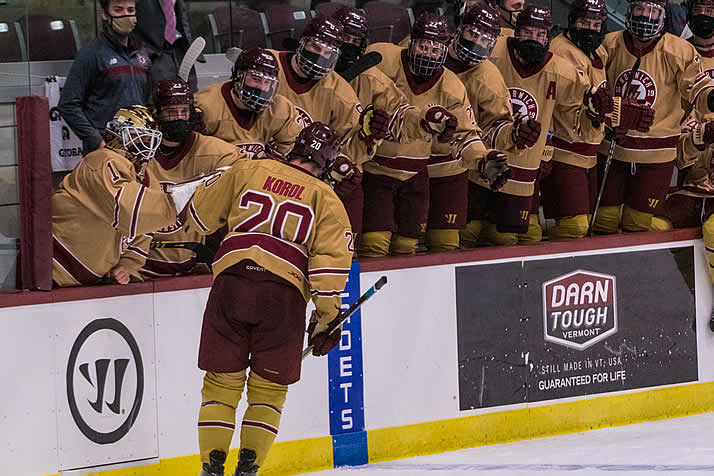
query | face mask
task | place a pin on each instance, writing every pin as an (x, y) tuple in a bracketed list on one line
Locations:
[(176, 131), (585, 39), (122, 25), (644, 28), (349, 53), (531, 51), (702, 26)]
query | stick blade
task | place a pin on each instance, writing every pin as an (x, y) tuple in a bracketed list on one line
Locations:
[(189, 59), (232, 54)]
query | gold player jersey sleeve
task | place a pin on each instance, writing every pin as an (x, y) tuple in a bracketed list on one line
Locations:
[(134, 258), (344, 119), (285, 220), (489, 95), (209, 100), (375, 88)]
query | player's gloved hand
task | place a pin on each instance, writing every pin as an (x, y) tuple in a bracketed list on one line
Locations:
[(598, 102), (494, 169), (438, 120), (346, 177), (526, 132), (322, 342), (181, 193), (703, 134), (629, 114), (374, 125), (545, 168)]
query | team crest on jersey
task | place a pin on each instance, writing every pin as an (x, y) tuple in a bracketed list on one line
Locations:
[(303, 118), (523, 102), (253, 149), (642, 87)]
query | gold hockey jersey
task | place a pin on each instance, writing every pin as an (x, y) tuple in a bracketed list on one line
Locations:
[(541, 91), (331, 100), (285, 220), (580, 153), (670, 78), (101, 218), (403, 161), (199, 156), (278, 125)]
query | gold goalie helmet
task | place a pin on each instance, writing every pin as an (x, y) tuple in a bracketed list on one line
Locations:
[(134, 131)]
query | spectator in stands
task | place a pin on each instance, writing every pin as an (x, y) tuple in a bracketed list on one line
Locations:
[(164, 30), (108, 74)]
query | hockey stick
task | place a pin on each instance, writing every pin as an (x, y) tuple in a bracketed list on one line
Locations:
[(343, 316), (611, 151), (232, 54), (370, 60), (203, 253), (189, 59)]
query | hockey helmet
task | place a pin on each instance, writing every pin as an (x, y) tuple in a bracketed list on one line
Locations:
[(587, 39), (482, 27), (319, 47), (645, 18), (354, 34), (428, 44), (134, 131), (255, 78), (317, 143), (535, 17)]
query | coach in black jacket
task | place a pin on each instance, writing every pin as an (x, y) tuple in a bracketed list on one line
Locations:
[(163, 28)]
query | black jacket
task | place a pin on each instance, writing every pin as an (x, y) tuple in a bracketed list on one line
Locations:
[(150, 25), (104, 77)]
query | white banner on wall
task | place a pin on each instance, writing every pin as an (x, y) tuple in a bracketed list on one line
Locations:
[(65, 146), (106, 381)]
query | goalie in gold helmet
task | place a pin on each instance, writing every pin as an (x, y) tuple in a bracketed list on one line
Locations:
[(103, 210)]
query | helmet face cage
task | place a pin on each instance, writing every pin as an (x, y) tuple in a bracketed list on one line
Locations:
[(255, 99), (425, 66), (133, 129), (314, 65), (645, 27), (471, 52)]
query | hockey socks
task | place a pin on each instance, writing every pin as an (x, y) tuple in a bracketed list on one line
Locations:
[(216, 420), (262, 418)]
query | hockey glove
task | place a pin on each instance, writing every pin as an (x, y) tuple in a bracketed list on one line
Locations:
[(545, 169), (494, 169), (374, 125), (438, 120), (181, 193), (703, 134), (346, 177), (321, 342), (598, 102), (629, 114), (526, 132)]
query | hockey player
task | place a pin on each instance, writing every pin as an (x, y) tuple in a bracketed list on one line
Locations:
[(183, 155), (468, 58), (692, 205), (399, 194), (290, 241), (308, 80), (570, 191), (508, 13), (247, 111), (669, 74), (104, 208), (542, 86)]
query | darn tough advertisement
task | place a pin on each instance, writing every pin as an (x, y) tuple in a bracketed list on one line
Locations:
[(539, 330)]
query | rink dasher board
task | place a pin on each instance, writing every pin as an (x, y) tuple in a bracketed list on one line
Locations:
[(410, 379)]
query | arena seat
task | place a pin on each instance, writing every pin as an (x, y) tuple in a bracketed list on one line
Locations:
[(11, 49), (248, 28), (49, 38), (387, 22), (284, 22), (328, 8)]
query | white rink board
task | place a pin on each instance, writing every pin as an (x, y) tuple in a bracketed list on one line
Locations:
[(409, 351)]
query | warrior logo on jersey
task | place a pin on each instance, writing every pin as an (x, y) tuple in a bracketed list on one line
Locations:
[(642, 87), (253, 149), (303, 118), (523, 102)]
